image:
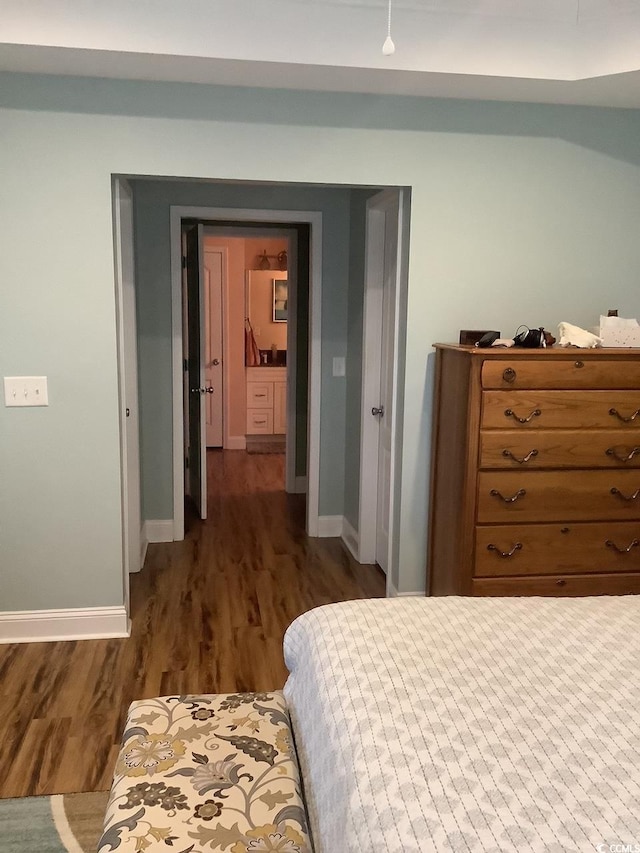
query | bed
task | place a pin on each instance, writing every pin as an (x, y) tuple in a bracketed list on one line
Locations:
[(468, 724)]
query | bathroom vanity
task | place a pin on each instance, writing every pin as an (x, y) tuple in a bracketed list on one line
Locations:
[(266, 400)]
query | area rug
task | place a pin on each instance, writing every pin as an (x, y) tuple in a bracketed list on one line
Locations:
[(65, 823)]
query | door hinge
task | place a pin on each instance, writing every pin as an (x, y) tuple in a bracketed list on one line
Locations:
[(186, 461), (184, 262), (186, 365)]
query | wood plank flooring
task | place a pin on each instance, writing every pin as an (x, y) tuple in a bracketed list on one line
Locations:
[(209, 615)]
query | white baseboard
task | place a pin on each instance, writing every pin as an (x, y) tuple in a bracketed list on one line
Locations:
[(144, 544), (158, 530), (74, 623), (330, 525), (351, 539), (392, 592), (236, 442)]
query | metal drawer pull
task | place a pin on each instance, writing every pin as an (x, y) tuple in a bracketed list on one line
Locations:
[(611, 451), (259, 395), (561, 582), (627, 420), (634, 544), (526, 458), (509, 413), (633, 497), (519, 494), (578, 363), (516, 547), (509, 375)]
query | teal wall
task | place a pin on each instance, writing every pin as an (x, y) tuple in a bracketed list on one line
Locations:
[(520, 213), (153, 282)]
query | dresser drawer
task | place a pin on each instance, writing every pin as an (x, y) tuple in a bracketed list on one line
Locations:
[(568, 585), (529, 496), (260, 395), (521, 449), (573, 372), (259, 421), (542, 549), (526, 410)]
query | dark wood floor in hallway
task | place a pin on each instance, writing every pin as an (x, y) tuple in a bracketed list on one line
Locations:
[(209, 615)]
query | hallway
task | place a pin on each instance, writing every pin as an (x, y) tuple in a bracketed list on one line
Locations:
[(209, 614)]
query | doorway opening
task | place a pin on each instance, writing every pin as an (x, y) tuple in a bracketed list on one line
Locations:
[(245, 351), (303, 362), (343, 380)]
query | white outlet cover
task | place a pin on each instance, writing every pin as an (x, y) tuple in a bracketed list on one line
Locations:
[(26, 391)]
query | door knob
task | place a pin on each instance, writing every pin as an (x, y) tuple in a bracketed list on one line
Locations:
[(377, 412), (209, 389), (202, 390), (215, 362)]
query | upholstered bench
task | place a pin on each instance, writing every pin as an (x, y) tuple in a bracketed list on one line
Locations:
[(202, 773)]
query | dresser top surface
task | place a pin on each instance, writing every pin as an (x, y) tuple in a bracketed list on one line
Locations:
[(554, 352)]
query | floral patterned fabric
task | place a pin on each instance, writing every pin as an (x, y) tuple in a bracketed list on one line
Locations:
[(204, 773)]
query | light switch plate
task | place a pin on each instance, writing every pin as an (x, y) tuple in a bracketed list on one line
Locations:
[(339, 366), (26, 391)]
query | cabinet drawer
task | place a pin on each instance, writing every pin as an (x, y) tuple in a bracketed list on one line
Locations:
[(526, 410), (521, 449), (571, 585), (573, 372), (260, 395), (543, 549), (266, 374), (259, 421), (529, 496)]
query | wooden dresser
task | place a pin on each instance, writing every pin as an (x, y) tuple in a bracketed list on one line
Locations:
[(535, 479)]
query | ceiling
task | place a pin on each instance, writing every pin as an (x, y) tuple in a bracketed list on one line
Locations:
[(548, 51)]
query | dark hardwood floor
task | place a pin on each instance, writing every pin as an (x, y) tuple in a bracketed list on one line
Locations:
[(209, 615)]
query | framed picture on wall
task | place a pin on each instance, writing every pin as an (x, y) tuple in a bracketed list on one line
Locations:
[(280, 296)]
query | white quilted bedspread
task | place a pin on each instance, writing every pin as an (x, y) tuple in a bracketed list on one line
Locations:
[(437, 724)]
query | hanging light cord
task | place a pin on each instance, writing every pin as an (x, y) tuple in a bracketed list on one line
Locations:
[(388, 47)]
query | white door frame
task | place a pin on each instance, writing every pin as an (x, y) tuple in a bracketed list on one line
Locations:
[(372, 323), (240, 215)]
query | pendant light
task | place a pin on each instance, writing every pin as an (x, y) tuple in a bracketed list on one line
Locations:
[(388, 47)]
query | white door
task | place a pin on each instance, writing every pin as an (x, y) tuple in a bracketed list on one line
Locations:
[(125, 282), (195, 387), (383, 270), (213, 272), (390, 270)]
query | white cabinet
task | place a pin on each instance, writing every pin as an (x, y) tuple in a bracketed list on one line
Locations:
[(266, 400)]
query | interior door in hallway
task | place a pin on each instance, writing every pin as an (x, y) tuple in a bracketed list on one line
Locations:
[(125, 276), (214, 407), (195, 386), (390, 268), (384, 274)]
